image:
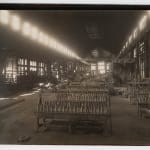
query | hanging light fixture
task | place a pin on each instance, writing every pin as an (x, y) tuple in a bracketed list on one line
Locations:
[(32, 32), (15, 23), (4, 16), (26, 29)]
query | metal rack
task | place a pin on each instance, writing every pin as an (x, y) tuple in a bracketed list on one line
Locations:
[(75, 106)]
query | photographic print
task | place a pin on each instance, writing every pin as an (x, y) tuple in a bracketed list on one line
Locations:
[(75, 76)]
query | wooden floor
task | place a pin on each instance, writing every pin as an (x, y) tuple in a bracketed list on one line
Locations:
[(128, 129)]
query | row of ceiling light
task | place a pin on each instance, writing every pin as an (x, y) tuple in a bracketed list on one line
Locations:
[(141, 26), (34, 33)]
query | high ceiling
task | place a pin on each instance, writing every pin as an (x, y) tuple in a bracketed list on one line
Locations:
[(85, 31)]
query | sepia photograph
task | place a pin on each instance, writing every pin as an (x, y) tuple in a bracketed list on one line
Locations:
[(75, 76)]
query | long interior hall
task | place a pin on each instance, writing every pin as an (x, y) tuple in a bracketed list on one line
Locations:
[(75, 77)]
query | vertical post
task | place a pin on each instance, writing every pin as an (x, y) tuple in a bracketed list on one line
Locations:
[(36, 67), (49, 71), (28, 66), (138, 63), (3, 58), (146, 55), (59, 72), (17, 71), (96, 68)]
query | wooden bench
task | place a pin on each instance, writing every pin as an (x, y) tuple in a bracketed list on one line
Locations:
[(143, 104), (74, 107), (133, 91), (134, 88)]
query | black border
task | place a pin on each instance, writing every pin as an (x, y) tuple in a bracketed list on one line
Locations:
[(40, 6)]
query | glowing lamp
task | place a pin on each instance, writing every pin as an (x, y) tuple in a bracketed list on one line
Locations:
[(26, 29), (135, 33), (15, 23), (130, 39), (4, 16), (142, 23), (34, 33)]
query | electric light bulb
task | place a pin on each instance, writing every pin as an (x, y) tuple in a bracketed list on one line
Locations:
[(135, 33), (4, 16), (26, 29), (41, 37), (52, 43), (15, 23), (34, 33), (143, 23), (130, 39), (46, 40)]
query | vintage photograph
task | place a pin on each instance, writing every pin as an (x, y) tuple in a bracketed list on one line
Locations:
[(75, 77)]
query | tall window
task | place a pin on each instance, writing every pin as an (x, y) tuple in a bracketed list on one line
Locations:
[(22, 66), (141, 58), (10, 71), (93, 67), (108, 67), (135, 53), (101, 67), (141, 48), (33, 66), (141, 62), (41, 69)]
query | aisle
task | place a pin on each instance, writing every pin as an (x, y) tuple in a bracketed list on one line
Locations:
[(127, 126), (128, 129)]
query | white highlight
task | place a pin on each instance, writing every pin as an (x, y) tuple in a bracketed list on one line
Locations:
[(28, 94), (15, 23), (41, 37), (7, 98), (4, 16), (34, 33), (130, 39), (135, 33), (26, 29), (46, 40), (141, 26), (103, 2), (143, 22)]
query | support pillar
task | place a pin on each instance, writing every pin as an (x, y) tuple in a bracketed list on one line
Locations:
[(146, 55)]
